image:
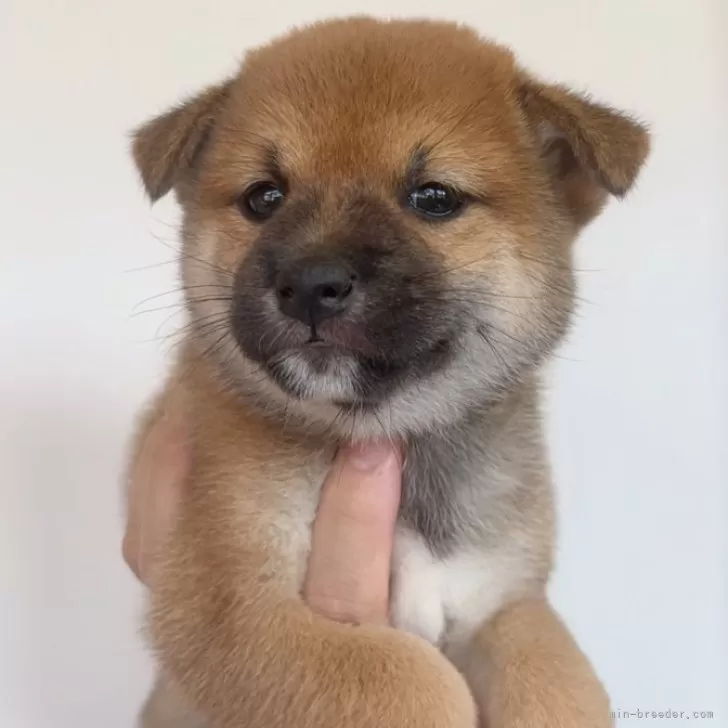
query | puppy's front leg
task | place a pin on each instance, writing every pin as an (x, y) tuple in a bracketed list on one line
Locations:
[(527, 671), (249, 654)]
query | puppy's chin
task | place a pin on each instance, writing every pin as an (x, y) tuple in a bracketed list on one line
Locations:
[(320, 374), (339, 395)]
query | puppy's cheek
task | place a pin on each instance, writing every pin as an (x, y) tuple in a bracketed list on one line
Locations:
[(210, 298), (207, 286), (521, 296), (208, 244), (198, 259)]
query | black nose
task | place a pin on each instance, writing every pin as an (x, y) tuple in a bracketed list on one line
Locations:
[(315, 290)]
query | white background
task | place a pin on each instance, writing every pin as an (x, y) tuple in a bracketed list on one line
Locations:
[(639, 403)]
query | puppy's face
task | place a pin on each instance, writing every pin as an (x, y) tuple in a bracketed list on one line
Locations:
[(379, 216)]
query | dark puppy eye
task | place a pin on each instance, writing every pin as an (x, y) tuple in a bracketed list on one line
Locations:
[(434, 200), (260, 200)]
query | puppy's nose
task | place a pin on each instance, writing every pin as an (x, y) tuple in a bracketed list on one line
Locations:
[(315, 290)]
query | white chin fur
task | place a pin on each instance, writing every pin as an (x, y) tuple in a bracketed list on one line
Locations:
[(337, 382), (417, 407)]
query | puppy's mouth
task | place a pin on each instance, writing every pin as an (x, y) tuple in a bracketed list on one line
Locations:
[(320, 353), (339, 335), (352, 378), (322, 345)]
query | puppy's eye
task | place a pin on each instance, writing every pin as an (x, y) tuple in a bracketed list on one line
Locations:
[(434, 200), (260, 200)]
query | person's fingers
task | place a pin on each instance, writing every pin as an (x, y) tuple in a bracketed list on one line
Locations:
[(349, 566), (135, 497), (154, 491)]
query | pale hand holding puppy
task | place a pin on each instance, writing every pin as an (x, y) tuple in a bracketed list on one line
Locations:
[(377, 237)]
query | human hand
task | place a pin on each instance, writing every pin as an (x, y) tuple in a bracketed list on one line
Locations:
[(348, 570), (157, 478)]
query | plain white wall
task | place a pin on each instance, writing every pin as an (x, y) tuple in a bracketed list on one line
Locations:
[(638, 407)]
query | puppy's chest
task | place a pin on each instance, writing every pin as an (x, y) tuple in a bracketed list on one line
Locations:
[(443, 600)]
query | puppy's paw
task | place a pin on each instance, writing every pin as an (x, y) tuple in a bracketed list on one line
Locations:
[(551, 711), (411, 685), (528, 672)]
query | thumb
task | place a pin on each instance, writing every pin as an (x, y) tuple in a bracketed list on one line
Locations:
[(349, 566)]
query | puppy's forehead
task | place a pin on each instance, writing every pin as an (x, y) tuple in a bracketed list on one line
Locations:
[(364, 95)]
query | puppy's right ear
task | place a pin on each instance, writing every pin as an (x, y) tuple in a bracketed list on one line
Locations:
[(168, 146)]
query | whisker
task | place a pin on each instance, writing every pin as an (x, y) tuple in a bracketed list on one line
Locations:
[(529, 319), (496, 352), (524, 346), (188, 256), (330, 429), (204, 324), (445, 271), (211, 327), (182, 304), (470, 263), (555, 263), (544, 283), (179, 290), (142, 268)]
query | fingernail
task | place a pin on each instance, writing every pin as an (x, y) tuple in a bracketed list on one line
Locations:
[(367, 455)]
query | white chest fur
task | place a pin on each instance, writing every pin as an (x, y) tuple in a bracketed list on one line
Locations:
[(445, 600)]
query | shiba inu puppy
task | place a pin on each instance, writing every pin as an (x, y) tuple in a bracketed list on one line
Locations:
[(378, 228)]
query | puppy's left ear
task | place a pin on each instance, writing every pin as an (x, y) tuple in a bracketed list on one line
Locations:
[(166, 148), (589, 149)]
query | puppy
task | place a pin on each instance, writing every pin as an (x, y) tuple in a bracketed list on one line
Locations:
[(377, 239)]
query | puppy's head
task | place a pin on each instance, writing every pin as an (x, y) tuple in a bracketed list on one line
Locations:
[(379, 217)]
